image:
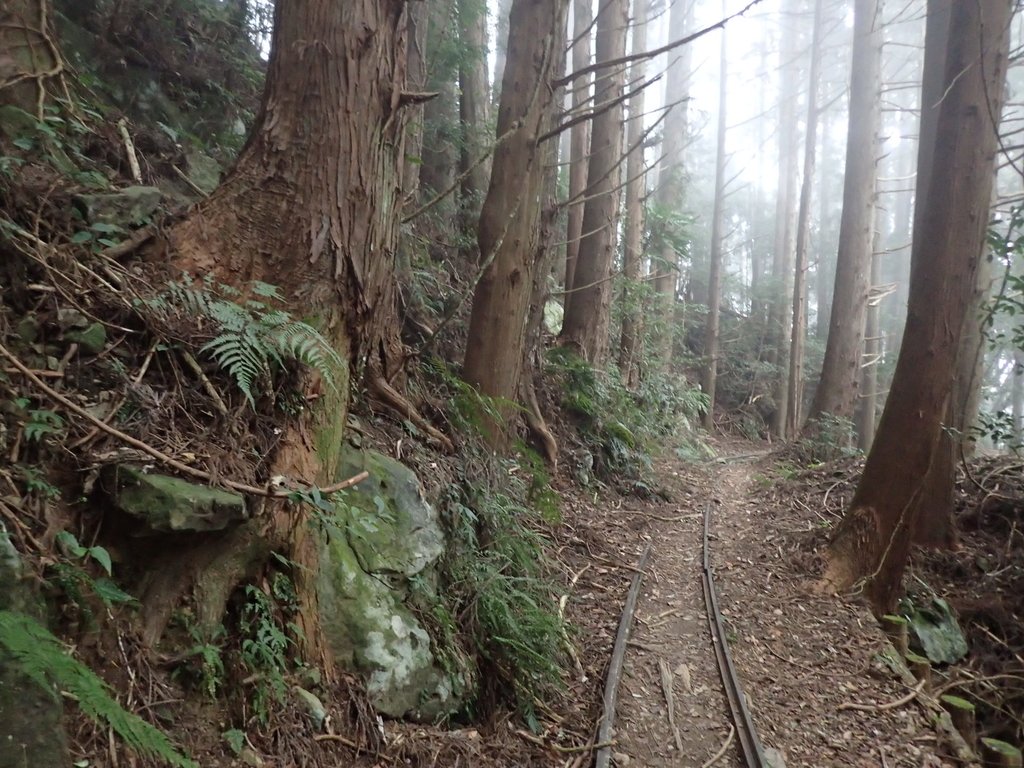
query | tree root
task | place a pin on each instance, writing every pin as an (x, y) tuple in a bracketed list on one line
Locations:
[(535, 420), (397, 402)]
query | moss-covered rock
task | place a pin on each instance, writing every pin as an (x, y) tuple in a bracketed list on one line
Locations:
[(170, 504), (127, 207), (385, 534)]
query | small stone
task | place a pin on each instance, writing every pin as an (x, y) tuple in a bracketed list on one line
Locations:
[(249, 757), (314, 707), (621, 759)]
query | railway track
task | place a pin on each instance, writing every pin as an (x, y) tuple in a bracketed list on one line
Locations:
[(746, 733)]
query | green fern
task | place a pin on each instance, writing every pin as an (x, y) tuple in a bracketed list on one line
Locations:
[(41, 657), (251, 340)]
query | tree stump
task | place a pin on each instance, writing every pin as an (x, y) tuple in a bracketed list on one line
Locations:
[(962, 713), (921, 667), (895, 628), (999, 754)]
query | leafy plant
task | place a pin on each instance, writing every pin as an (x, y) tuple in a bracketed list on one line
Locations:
[(41, 657), (205, 660), (78, 584), (41, 422), (251, 339), (264, 649)]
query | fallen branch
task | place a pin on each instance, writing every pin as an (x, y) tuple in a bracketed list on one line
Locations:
[(670, 701), (273, 493), (887, 705), (611, 686)]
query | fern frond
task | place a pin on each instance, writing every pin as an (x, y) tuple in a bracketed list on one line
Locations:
[(41, 657)]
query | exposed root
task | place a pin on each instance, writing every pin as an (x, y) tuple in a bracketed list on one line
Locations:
[(393, 399)]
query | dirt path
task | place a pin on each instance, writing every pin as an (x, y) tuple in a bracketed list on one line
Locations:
[(808, 663), (672, 635)]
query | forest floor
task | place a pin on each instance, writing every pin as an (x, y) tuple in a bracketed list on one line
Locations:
[(809, 663)]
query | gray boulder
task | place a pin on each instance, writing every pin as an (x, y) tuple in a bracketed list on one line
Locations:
[(384, 535)]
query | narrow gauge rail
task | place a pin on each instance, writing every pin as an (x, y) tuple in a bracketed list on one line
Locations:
[(746, 734)]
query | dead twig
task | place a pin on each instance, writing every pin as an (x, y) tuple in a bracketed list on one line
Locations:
[(722, 749)]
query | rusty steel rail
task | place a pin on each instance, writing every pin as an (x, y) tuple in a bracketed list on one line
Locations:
[(746, 734)]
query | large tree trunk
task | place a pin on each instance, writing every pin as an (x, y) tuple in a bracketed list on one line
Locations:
[(636, 182), (715, 258), (509, 221), (579, 140), (585, 327), (837, 390), (798, 328), (670, 176), (873, 541), (785, 213), (312, 206)]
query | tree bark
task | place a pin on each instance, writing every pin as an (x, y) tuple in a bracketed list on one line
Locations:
[(587, 318), (798, 330), (873, 541), (579, 140), (632, 247), (837, 390), (312, 206), (509, 221), (715, 258)]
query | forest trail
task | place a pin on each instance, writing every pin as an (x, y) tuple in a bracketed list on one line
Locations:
[(807, 663)]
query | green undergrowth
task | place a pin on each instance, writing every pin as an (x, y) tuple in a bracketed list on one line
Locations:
[(41, 657), (622, 427), (497, 599)]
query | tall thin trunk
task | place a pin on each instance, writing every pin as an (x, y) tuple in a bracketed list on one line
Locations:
[(779, 317), (867, 406), (670, 176), (586, 322), (629, 351), (956, 163), (474, 103), (715, 258), (840, 376), (798, 330), (500, 49), (579, 139), (509, 221), (439, 157)]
